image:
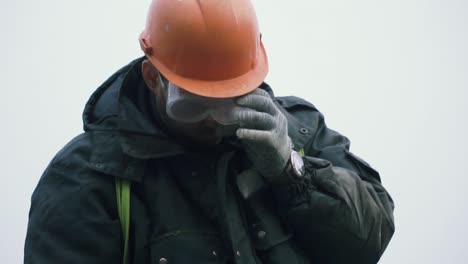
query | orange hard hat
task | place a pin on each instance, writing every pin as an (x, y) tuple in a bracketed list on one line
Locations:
[(211, 48)]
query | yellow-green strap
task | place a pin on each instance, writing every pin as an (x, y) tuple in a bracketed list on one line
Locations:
[(301, 152), (122, 188)]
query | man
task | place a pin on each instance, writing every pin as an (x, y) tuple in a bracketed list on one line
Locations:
[(188, 157)]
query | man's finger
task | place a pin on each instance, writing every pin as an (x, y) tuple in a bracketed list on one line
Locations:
[(258, 103), (252, 135), (255, 120), (261, 92)]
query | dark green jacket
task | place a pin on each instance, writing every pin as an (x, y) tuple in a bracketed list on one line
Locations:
[(186, 206)]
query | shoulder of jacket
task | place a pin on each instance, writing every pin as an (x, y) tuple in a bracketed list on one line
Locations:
[(75, 151), (69, 171), (291, 102), (303, 119), (98, 151)]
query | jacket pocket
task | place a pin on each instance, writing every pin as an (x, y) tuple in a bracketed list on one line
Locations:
[(187, 246), (272, 239)]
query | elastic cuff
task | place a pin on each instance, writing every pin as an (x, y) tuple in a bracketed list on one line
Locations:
[(294, 192), (291, 190)]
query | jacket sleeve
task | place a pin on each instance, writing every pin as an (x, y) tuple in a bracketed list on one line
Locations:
[(73, 218), (339, 212)]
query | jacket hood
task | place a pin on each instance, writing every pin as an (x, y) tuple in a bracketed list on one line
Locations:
[(121, 106), (103, 110)]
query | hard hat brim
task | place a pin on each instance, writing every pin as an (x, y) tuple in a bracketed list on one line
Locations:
[(234, 87)]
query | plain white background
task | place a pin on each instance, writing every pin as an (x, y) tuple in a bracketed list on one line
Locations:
[(390, 75)]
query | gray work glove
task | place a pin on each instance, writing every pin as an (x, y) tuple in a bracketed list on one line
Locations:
[(263, 133)]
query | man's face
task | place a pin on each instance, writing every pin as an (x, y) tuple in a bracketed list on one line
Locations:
[(206, 131)]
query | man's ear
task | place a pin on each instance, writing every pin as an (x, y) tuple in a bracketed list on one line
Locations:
[(151, 76)]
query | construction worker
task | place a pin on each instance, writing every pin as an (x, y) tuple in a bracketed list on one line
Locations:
[(188, 157)]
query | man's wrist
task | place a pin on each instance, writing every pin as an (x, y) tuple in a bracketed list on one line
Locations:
[(293, 171)]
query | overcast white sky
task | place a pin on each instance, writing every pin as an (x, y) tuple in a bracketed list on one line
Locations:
[(390, 75)]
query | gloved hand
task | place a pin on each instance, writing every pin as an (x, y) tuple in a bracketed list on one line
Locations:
[(264, 133)]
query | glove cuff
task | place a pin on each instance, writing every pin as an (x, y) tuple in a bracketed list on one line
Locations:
[(293, 171)]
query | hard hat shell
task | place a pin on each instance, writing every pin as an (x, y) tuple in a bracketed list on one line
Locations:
[(211, 48)]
